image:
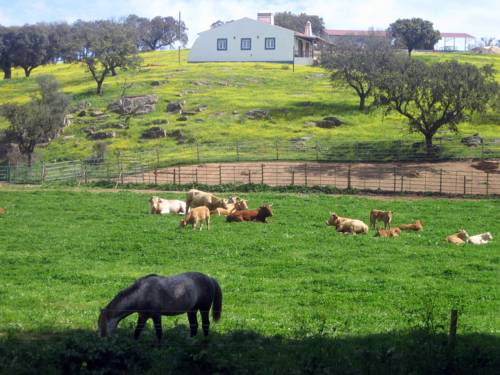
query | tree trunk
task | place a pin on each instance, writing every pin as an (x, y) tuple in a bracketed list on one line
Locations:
[(362, 100), (30, 160), (27, 72), (409, 51), (113, 71), (428, 144), (7, 70), (99, 87)]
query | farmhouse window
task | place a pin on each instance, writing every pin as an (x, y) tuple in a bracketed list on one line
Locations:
[(222, 44), (246, 44), (270, 43)]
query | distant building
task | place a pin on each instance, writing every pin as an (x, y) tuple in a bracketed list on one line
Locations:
[(455, 42), (256, 41), (448, 41)]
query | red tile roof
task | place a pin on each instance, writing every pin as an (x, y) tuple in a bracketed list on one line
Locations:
[(355, 32)]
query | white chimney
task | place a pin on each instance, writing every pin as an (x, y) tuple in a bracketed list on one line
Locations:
[(308, 31), (265, 17)]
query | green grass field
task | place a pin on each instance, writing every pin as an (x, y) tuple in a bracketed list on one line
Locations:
[(229, 90), (298, 297)]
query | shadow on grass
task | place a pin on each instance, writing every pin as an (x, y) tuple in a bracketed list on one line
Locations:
[(247, 352), (297, 110)]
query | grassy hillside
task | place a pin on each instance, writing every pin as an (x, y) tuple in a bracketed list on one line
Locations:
[(229, 90), (296, 293)]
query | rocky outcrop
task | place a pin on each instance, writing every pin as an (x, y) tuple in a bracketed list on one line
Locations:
[(257, 114), (101, 135), (329, 122), (175, 107), (473, 141), (134, 105), (154, 133)]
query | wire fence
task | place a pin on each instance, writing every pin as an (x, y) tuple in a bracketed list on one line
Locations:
[(342, 166)]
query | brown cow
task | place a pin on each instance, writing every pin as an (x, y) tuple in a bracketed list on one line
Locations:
[(252, 215), (2, 211)]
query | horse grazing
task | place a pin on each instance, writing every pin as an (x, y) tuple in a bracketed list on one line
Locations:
[(153, 296), (252, 215)]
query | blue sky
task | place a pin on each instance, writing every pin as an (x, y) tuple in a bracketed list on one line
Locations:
[(479, 18)]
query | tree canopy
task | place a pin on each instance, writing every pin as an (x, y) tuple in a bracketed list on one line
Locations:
[(156, 33), (358, 65), (298, 22), (432, 96), (38, 121), (414, 33), (103, 46)]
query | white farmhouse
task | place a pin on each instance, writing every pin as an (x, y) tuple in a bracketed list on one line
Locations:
[(254, 40)]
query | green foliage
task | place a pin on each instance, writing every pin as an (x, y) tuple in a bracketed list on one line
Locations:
[(358, 65), (414, 33), (31, 47), (153, 34), (40, 120), (297, 22), (298, 297), (104, 46), (432, 96)]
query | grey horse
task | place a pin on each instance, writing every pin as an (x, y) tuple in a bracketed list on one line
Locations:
[(153, 296)]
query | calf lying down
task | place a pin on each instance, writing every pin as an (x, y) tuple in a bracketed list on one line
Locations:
[(480, 239), (458, 238), (394, 232)]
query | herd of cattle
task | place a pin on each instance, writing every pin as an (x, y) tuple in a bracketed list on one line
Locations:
[(199, 205)]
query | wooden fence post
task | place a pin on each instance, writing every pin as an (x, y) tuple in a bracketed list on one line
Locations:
[(452, 340), (402, 182), (196, 174), (175, 177), (262, 174), (220, 174), (237, 151), (487, 183), (293, 177), (277, 150), (249, 176), (179, 174), (465, 182)]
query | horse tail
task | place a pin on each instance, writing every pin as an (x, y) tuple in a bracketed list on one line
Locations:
[(217, 301)]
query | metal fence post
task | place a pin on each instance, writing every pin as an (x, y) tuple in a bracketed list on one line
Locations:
[(305, 174), (395, 173), (43, 172), (277, 150), (220, 174), (197, 152), (465, 182), (237, 151), (440, 181), (487, 183), (262, 174), (349, 185)]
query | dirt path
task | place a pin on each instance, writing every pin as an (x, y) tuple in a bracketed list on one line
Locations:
[(462, 177)]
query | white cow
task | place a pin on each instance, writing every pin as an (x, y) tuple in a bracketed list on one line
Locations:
[(480, 239), (167, 206)]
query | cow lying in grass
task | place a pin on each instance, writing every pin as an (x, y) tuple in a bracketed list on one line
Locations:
[(458, 238), (196, 216), (2, 211), (231, 207), (198, 198), (480, 239), (252, 215), (394, 232), (416, 227), (347, 225), (167, 206)]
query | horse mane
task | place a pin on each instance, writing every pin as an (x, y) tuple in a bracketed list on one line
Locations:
[(127, 291)]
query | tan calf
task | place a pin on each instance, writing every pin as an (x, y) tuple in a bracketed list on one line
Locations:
[(385, 216), (416, 227), (395, 232), (458, 238), (196, 216)]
